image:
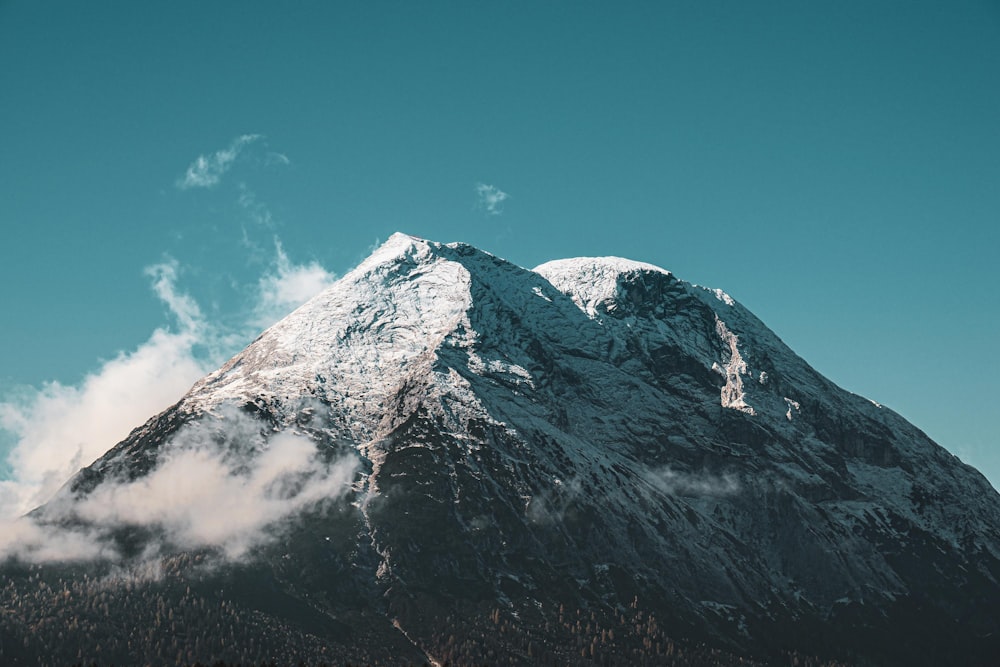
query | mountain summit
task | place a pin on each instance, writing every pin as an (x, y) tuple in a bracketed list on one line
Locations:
[(448, 457)]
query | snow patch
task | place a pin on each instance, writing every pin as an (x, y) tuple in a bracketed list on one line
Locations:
[(791, 404), (723, 297), (592, 281), (733, 369), (537, 291), (497, 367)]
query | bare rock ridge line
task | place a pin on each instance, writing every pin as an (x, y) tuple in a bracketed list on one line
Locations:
[(591, 462)]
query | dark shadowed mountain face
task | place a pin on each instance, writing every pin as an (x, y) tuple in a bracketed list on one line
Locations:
[(446, 457)]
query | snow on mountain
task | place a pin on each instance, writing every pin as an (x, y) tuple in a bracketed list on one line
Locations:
[(475, 332), (597, 427)]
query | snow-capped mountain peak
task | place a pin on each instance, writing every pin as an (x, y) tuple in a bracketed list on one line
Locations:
[(355, 342), (597, 428), (594, 283)]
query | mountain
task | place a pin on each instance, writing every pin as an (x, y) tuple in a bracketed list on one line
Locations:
[(445, 457)]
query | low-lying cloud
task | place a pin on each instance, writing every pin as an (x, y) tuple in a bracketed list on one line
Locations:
[(553, 504), (200, 494), (60, 428), (702, 483), (222, 483), (27, 540)]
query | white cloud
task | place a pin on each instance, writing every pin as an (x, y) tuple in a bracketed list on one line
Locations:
[(192, 494), (210, 491), (551, 505), (207, 170), (60, 428), (220, 484), (490, 198), (287, 286), (25, 539), (675, 483), (258, 211), (184, 308), (278, 158)]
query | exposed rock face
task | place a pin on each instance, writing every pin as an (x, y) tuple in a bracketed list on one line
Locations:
[(583, 434)]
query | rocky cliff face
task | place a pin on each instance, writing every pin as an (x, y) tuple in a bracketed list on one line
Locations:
[(596, 436)]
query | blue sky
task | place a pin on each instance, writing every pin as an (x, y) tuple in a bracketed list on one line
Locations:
[(834, 166)]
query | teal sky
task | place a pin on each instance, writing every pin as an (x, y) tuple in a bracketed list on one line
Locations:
[(835, 166)]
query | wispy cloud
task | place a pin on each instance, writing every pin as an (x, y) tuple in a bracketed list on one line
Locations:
[(286, 286), (28, 540), (60, 428), (221, 484), (207, 170), (277, 158), (699, 483), (257, 210), (216, 487), (188, 497), (552, 505), (183, 307), (490, 198)]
